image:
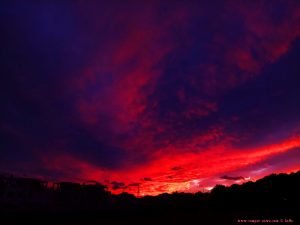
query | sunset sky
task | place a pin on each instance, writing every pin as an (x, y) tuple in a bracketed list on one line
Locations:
[(170, 95)]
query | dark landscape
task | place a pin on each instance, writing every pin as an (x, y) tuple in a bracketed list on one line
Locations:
[(275, 199)]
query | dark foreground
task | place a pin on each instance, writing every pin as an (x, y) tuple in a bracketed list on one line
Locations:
[(272, 200)]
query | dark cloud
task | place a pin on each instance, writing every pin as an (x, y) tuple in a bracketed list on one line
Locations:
[(176, 168), (267, 108), (225, 177), (134, 184), (117, 185), (96, 151)]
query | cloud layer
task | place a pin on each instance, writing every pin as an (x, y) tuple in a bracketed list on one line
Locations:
[(167, 97)]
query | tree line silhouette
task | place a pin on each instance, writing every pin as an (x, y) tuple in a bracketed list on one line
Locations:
[(275, 197)]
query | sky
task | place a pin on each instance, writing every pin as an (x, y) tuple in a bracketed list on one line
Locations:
[(162, 95)]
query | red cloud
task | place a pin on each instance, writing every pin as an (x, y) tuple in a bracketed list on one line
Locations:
[(201, 167), (113, 91)]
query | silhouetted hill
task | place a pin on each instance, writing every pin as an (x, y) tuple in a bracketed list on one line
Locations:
[(273, 199)]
